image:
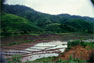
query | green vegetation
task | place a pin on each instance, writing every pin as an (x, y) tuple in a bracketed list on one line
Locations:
[(71, 60), (14, 25), (16, 22), (17, 59), (77, 25), (79, 42), (50, 59), (20, 20), (44, 60)]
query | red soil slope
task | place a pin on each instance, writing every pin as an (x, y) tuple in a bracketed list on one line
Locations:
[(77, 52)]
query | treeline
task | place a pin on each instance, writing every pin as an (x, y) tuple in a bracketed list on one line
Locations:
[(19, 19)]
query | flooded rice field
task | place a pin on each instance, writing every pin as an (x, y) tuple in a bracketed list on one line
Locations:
[(49, 49)]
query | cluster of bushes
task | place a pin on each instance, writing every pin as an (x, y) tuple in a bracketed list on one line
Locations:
[(80, 42)]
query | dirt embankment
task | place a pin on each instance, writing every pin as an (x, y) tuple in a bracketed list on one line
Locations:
[(63, 37), (37, 39), (78, 52), (32, 41)]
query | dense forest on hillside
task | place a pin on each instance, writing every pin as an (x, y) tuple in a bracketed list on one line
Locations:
[(19, 19), (12, 24)]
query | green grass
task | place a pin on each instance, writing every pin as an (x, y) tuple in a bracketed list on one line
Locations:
[(79, 42), (16, 59)]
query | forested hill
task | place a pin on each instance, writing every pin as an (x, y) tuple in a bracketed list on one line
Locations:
[(24, 20), (33, 15)]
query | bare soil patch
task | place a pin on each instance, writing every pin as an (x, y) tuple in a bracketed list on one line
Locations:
[(77, 52)]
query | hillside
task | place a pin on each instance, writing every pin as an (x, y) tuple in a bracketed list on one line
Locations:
[(32, 14), (13, 25), (25, 20), (27, 34)]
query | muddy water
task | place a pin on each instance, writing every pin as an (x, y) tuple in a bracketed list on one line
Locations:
[(48, 49), (58, 45)]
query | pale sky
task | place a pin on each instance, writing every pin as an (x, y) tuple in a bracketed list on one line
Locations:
[(73, 7)]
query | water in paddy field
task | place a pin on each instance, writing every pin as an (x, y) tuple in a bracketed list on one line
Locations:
[(50, 50)]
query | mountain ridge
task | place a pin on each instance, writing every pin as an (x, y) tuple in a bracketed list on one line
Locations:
[(42, 23), (31, 9)]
